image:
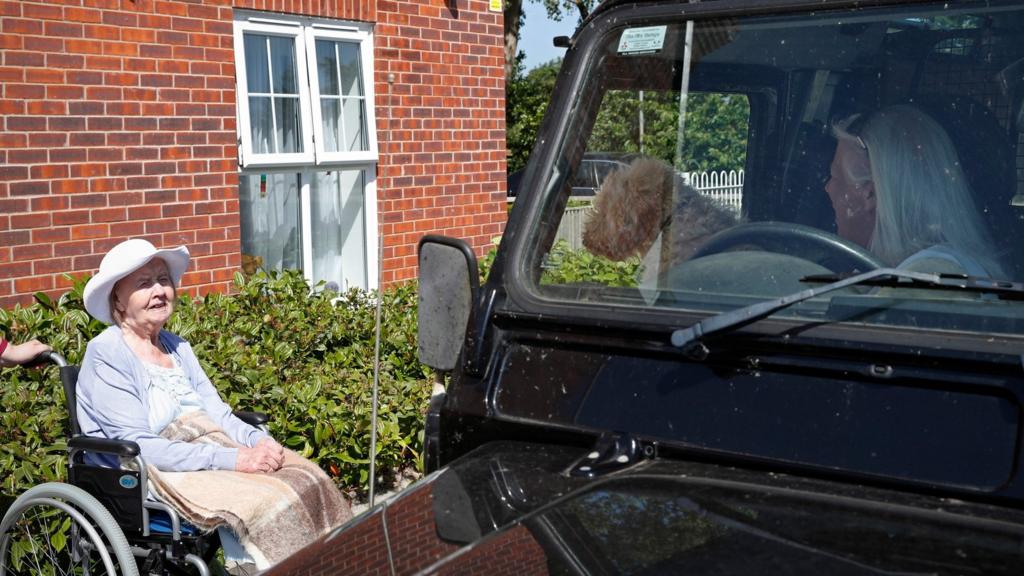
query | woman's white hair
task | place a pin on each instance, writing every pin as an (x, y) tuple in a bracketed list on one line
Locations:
[(922, 197)]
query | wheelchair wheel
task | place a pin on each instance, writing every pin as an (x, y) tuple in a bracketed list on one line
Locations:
[(57, 529)]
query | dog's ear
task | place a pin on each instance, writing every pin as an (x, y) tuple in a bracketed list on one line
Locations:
[(628, 210), (607, 219)]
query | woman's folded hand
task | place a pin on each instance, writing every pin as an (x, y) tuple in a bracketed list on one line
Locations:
[(266, 456)]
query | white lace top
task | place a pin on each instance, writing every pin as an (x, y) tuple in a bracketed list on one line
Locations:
[(170, 395)]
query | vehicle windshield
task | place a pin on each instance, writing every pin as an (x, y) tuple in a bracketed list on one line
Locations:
[(730, 160)]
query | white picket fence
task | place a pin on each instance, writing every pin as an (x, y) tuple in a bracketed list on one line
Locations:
[(724, 186)]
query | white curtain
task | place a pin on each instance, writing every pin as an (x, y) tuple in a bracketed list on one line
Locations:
[(270, 213), (339, 228), (341, 96), (273, 94)]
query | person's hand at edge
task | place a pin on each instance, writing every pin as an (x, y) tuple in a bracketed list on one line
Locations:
[(15, 354)]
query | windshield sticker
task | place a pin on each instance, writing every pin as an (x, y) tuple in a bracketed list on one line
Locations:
[(642, 40)]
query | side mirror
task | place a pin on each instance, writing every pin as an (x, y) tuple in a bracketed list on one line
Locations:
[(449, 282)]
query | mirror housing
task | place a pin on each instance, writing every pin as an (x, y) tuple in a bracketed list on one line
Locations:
[(449, 283)]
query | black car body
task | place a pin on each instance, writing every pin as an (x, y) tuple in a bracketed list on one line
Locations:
[(592, 171), (734, 411)]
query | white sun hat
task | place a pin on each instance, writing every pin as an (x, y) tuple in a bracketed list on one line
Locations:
[(122, 260)]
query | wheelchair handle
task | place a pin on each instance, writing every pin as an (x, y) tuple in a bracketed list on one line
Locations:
[(46, 357)]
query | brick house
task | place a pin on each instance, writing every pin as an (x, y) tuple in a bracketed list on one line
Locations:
[(276, 133)]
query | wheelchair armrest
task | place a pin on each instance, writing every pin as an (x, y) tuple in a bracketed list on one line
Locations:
[(125, 448), (252, 418)]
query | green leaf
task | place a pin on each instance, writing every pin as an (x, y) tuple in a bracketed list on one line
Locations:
[(58, 540)]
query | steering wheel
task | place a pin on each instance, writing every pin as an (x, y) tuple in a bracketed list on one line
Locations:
[(837, 254)]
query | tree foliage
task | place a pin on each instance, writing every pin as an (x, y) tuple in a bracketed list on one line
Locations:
[(557, 8), (525, 104), (715, 133), (513, 18), (714, 137)]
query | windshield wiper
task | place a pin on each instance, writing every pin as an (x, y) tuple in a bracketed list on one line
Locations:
[(690, 339), (1004, 289)]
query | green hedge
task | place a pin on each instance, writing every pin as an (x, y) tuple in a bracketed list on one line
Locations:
[(305, 357), (567, 266)]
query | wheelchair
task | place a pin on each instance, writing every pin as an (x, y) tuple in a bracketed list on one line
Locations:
[(100, 522)]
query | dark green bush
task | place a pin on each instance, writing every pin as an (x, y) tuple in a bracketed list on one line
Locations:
[(305, 357), (32, 413), (567, 266)]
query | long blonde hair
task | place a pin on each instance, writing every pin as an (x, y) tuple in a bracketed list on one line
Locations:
[(922, 197)]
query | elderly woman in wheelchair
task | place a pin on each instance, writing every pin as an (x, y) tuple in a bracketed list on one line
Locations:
[(162, 451)]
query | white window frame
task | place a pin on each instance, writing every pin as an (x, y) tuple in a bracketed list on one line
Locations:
[(247, 157), (305, 31), (345, 34)]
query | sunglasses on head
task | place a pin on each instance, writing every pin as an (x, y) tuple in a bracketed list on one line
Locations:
[(855, 126)]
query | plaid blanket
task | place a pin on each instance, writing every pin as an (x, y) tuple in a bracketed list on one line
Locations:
[(274, 515)]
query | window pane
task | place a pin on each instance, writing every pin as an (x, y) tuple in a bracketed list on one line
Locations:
[(351, 79), (282, 52), (339, 228), (355, 138), (281, 90), (330, 111), (638, 142), (269, 209), (289, 131), (261, 124), (327, 67), (344, 123), (681, 120), (257, 69)]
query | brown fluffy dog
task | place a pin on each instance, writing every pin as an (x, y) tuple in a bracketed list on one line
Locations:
[(638, 202)]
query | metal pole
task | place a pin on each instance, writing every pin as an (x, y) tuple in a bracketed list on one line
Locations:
[(684, 92), (641, 121), (376, 322)]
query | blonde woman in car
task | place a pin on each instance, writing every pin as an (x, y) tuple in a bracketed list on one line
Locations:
[(898, 190)]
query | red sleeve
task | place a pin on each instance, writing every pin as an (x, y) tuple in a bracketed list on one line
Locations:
[(3, 345)]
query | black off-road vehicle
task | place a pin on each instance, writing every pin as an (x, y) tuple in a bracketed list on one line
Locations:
[(787, 391)]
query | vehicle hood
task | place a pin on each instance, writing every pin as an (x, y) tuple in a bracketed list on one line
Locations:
[(511, 507)]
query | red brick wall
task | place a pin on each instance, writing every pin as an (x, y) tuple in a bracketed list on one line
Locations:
[(363, 547), (511, 553), (412, 534), (118, 120), (440, 125)]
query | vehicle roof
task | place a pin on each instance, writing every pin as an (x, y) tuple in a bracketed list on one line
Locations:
[(607, 5)]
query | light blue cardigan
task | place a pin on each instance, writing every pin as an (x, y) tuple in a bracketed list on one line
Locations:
[(113, 403)]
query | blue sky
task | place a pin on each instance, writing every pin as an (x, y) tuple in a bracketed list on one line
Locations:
[(537, 32)]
